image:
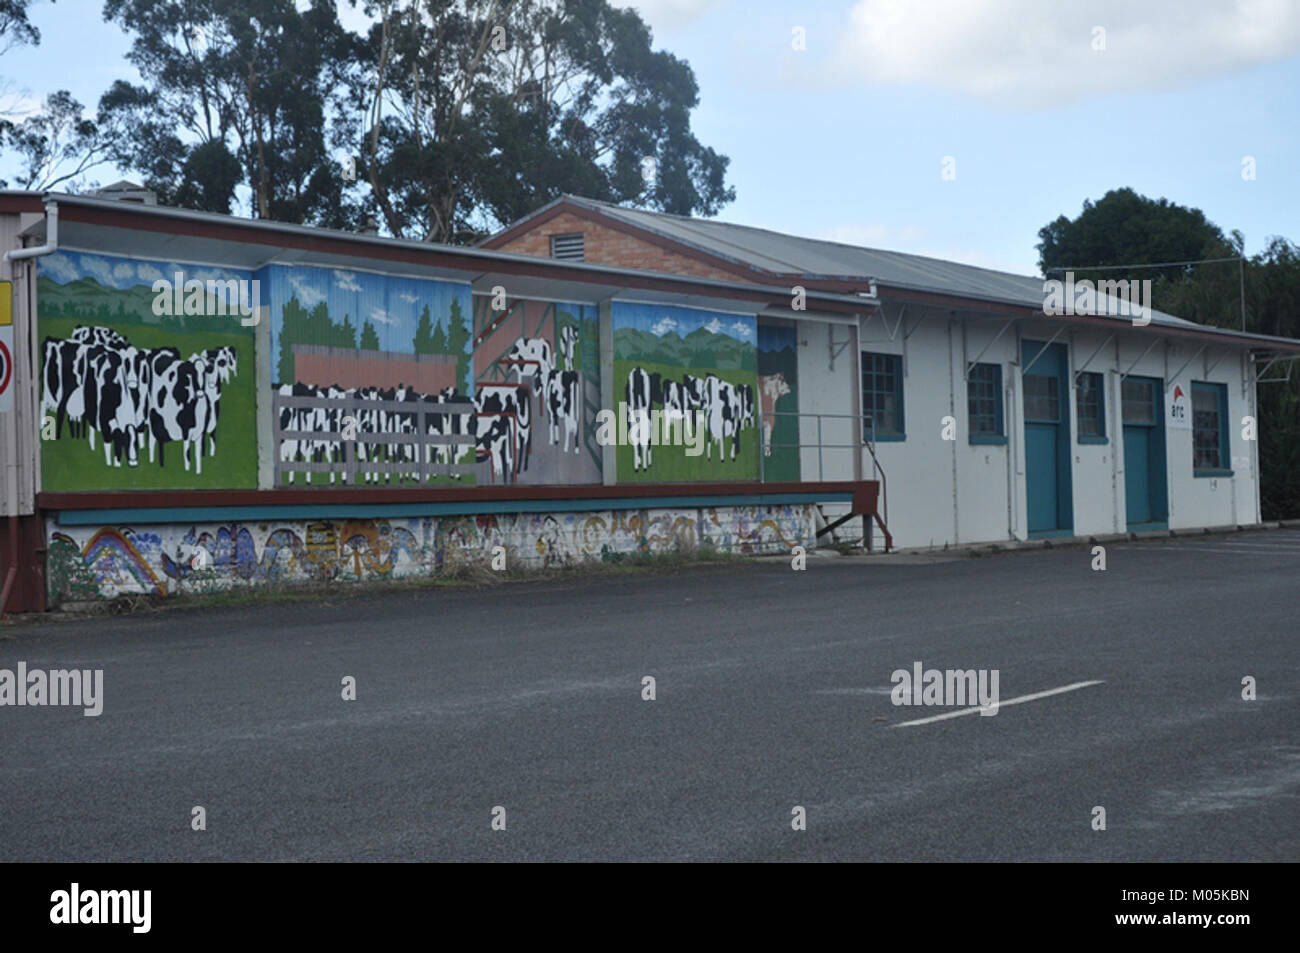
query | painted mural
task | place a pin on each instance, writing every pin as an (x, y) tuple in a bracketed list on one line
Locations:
[(537, 377), (146, 375), (693, 374), (371, 381), (103, 562), (778, 396)]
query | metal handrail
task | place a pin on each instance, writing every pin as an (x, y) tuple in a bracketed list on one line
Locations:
[(877, 470)]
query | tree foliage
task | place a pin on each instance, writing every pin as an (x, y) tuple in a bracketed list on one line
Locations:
[(442, 121), (235, 92)]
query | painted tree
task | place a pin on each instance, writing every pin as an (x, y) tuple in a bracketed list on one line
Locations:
[(423, 341), (457, 339), (369, 339)]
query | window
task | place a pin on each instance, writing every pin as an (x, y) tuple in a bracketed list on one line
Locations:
[(984, 403), (1042, 398), (1210, 430), (1138, 401), (882, 396), (568, 247), (1090, 405)]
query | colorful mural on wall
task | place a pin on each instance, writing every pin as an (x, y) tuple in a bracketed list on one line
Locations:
[(690, 366), (371, 381), (147, 375), (778, 396), (537, 365), (103, 562)]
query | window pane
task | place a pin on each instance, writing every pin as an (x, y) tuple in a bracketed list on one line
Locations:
[(1207, 433), (982, 399), (880, 378), (1042, 398), (1089, 404), (1138, 401)]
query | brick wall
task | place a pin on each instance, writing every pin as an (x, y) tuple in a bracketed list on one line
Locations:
[(609, 246)]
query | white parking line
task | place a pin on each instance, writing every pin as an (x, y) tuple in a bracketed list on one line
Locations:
[(1223, 548), (1009, 701)]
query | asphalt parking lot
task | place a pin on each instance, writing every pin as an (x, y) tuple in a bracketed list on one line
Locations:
[(772, 691)]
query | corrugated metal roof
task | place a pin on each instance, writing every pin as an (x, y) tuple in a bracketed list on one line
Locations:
[(815, 258)]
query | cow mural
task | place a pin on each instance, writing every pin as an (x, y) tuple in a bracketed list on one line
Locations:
[(372, 380), (550, 349), (158, 398), (778, 400), (686, 367)]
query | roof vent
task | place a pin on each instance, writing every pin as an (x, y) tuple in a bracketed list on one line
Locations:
[(125, 191), (568, 247)]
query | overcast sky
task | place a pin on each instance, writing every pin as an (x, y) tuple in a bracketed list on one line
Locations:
[(848, 138)]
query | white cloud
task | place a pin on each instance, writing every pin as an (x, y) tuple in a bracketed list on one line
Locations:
[(742, 329), (670, 14), (714, 326), (60, 267), (346, 280), (408, 297), (380, 316), (663, 326), (1031, 54), (148, 273), (123, 271), (309, 295), (98, 267)]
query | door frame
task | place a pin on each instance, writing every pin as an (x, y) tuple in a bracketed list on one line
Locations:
[(1157, 462), (1053, 356)]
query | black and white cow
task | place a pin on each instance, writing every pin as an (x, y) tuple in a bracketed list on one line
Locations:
[(107, 389), (722, 416), (306, 420), (178, 406), (563, 406), (531, 358), (568, 344), (675, 412), (503, 435), (98, 336), (111, 395), (644, 390), (63, 394), (459, 421), (220, 365)]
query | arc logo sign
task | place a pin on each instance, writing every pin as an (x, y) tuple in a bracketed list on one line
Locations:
[(6, 347), (1180, 411)]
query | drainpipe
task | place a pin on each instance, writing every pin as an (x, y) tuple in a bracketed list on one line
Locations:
[(19, 254), (51, 236)]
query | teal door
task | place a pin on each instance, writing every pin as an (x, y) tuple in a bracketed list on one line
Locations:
[(1145, 492), (1048, 489)]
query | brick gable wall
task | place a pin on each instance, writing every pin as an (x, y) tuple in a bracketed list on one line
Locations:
[(609, 246)]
